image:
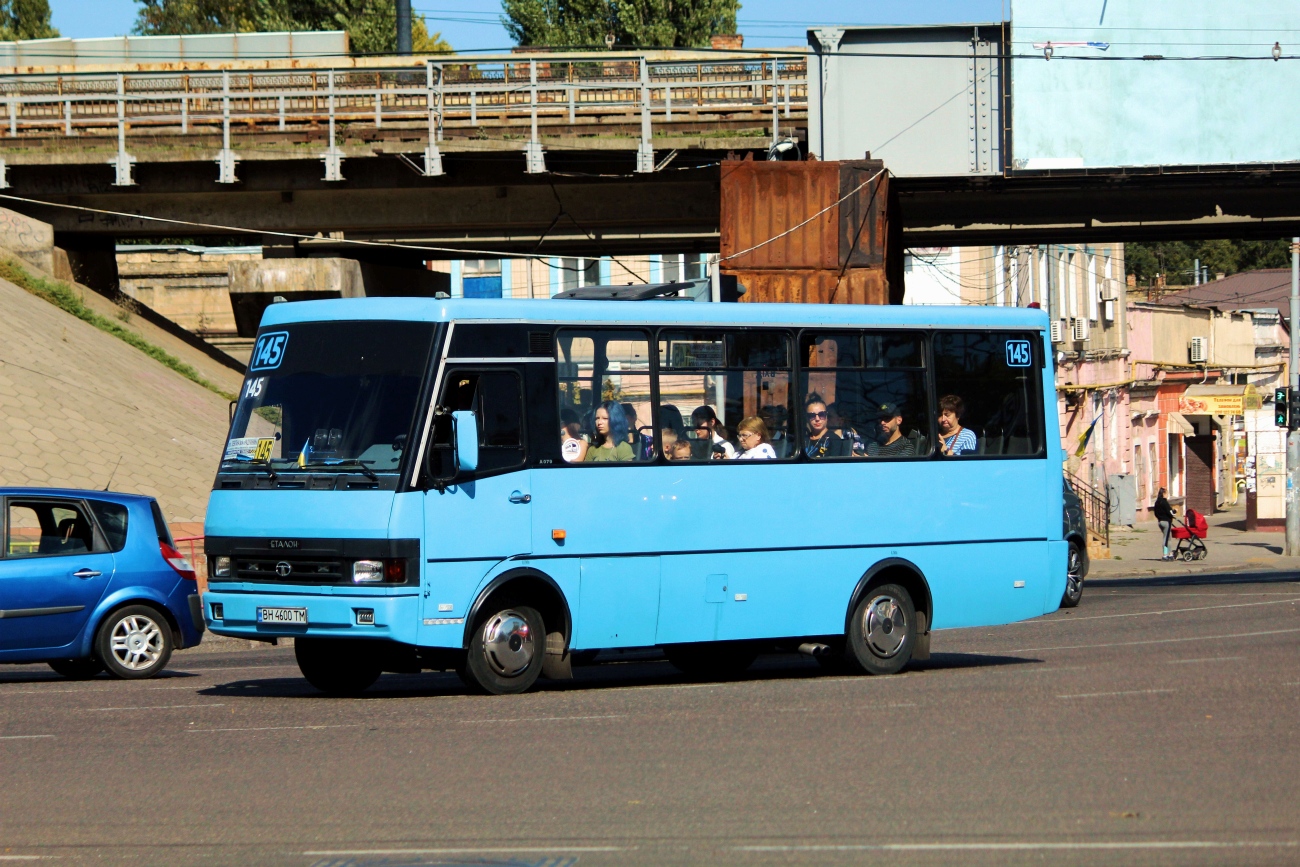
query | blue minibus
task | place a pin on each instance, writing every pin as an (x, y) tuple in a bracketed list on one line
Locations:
[(500, 487)]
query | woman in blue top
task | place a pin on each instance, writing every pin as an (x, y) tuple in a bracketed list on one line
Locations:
[(953, 438)]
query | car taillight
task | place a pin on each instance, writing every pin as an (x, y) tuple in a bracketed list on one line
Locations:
[(177, 561)]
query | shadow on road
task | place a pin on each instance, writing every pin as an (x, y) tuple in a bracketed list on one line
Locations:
[(1196, 578), (47, 676)]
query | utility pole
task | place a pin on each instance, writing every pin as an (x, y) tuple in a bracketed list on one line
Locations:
[(404, 27), (1292, 435)]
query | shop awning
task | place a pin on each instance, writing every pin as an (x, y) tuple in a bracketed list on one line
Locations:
[(1178, 424), (1219, 400)]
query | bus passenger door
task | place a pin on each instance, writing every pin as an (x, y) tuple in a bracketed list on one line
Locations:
[(479, 518)]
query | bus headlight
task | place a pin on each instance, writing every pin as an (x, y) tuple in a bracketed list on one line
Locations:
[(221, 567), (367, 572)]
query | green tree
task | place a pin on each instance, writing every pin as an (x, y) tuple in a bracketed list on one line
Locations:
[(371, 24), (660, 23), (1176, 259), (25, 19)]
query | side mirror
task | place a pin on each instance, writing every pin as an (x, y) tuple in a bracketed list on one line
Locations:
[(465, 426)]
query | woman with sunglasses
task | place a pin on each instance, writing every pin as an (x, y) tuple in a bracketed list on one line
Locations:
[(821, 441)]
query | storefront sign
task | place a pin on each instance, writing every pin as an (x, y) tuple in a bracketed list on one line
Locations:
[(1220, 404)]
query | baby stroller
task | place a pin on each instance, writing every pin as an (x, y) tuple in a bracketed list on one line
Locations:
[(1189, 534)]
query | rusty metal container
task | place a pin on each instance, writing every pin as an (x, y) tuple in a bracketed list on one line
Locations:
[(814, 232)]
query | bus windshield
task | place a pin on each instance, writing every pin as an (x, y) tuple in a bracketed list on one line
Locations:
[(329, 395)]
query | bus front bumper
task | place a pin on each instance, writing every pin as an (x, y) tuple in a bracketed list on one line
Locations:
[(261, 616)]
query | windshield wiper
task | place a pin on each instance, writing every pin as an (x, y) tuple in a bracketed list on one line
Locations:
[(348, 463), (270, 471)]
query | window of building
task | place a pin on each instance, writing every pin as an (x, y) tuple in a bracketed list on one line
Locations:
[(481, 278), (869, 386), (992, 382), (713, 380), (606, 413)]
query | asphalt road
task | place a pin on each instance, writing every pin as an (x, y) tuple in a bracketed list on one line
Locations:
[(1158, 723)]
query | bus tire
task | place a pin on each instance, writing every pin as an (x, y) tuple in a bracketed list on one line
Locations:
[(711, 660), (882, 631), (338, 666), (506, 651)]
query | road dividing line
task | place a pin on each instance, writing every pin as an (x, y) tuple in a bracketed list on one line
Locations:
[(1121, 692), (282, 728), (156, 707), (1026, 847), (541, 719), (1237, 637), (24, 738), (1206, 659), (502, 850), (1165, 611)]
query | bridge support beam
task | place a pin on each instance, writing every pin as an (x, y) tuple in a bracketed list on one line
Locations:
[(534, 158), (122, 162), (333, 157), (645, 152), (433, 101), (226, 158)]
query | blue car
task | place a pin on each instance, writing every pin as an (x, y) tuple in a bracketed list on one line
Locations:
[(92, 581)]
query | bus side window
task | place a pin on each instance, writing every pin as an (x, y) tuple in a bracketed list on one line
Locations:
[(993, 380), (871, 387), (495, 397), (603, 396)]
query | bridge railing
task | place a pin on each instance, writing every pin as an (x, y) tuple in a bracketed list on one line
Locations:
[(443, 94)]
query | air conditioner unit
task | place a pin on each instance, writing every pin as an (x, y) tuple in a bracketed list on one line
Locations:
[(1079, 329), (1197, 352), (1056, 331), (1108, 309)]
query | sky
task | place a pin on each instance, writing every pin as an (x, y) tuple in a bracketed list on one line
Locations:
[(474, 25)]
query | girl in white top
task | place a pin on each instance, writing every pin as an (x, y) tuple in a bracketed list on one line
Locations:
[(754, 439)]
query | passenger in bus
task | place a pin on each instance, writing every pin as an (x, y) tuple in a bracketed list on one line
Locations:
[(610, 442), (640, 442), (680, 450), (844, 430), (953, 438), (753, 437), (821, 441), (774, 419), (573, 448), (706, 424), (893, 444)]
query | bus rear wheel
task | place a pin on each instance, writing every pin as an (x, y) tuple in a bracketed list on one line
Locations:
[(882, 631), (713, 659), (337, 666), (506, 651)]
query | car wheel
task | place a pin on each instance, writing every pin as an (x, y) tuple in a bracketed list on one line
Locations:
[(77, 669), (1073, 577), (336, 666), (506, 651), (882, 632), (712, 660), (134, 642)]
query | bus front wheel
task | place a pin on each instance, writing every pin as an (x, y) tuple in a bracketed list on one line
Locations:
[(506, 651), (337, 666), (882, 632)]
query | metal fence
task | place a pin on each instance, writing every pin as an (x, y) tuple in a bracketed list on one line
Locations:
[(523, 92), (1096, 508)]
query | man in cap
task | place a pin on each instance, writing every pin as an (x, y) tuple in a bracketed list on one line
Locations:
[(895, 445)]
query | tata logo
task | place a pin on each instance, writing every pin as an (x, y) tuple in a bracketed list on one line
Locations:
[(269, 351), (284, 543), (1019, 353), (283, 569)]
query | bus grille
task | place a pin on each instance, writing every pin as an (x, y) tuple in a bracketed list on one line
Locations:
[(294, 570)]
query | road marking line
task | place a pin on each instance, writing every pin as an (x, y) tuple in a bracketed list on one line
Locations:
[(25, 857), (1120, 692), (281, 728), (498, 850), (1168, 611), (1205, 659), (1012, 847), (1238, 636), (156, 707), (541, 719), (23, 738)]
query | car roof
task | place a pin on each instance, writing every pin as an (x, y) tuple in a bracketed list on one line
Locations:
[(78, 493)]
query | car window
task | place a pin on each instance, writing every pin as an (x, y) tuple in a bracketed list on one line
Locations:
[(160, 524), (112, 520), (47, 529)]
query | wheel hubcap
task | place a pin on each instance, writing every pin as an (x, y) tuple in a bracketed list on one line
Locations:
[(136, 642), (508, 643), (1072, 573), (884, 626)]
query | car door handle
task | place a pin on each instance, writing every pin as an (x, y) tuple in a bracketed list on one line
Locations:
[(86, 573), (517, 497)]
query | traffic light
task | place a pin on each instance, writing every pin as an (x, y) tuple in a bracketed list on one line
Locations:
[(1281, 406)]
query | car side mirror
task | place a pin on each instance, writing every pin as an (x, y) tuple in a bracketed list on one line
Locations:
[(465, 428)]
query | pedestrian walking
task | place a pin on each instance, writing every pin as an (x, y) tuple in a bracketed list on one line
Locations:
[(1165, 518)]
